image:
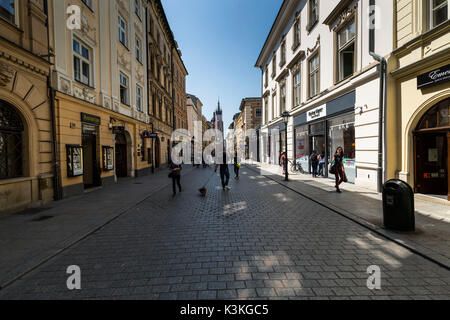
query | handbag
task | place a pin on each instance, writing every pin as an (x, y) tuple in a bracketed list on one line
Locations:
[(333, 168)]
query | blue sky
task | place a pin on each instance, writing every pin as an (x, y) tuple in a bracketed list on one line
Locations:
[(220, 42)]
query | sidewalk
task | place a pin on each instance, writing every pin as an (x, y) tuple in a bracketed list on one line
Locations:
[(32, 237), (432, 235)]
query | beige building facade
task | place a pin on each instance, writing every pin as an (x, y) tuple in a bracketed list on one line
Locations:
[(418, 120), (27, 168), (99, 81)]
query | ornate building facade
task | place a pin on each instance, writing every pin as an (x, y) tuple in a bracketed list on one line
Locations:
[(27, 167)]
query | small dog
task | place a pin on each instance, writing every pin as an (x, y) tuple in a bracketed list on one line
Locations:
[(203, 191)]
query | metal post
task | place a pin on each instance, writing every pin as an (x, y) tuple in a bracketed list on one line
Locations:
[(286, 173)]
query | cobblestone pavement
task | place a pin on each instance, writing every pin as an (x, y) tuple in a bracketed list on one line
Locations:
[(257, 241)]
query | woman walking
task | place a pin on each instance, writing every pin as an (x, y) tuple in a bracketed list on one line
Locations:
[(237, 166), (338, 163)]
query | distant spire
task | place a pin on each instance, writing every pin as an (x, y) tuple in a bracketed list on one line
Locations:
[(218, 104)]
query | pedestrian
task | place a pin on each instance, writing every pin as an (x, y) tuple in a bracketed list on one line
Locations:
[(314, 163), (322, 164), (283, 162), (175, 174), (237, 166), (337, 167), (224, 173)]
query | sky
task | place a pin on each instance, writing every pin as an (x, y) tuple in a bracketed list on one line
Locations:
[(220, 42)]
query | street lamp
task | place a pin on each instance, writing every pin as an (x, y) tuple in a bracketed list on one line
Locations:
[(286, 117)]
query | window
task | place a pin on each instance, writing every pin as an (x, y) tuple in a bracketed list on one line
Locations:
[(266, 75), (124, 89), (123, 32), (274, 106), (346, 51), (283, 53), (313, 14), (139, 98), (274, 64), (258, 113), (438, 12), (266, 109), (87, 3), (81, 63), (138, 50), (11, 128), (314, 73), (297, 33), (297, 89), (8, 10), (282, 99), (137, 8)]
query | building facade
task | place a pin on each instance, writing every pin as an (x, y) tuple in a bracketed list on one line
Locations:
[(419, 97), (27, 166), (316, 65), (194, 113), (251, 111), (99, 80)]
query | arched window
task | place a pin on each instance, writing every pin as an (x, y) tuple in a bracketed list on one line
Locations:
[(11, 129), (437, 117)]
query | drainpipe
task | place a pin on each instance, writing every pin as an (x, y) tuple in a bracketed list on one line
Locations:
[(382, 106), (57, 188)]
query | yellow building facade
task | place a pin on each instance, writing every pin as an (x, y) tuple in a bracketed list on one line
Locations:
[(99, 83), (26, 132), (417, 120)]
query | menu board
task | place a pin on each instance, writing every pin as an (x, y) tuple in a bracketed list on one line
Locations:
[(74, 160), (108, 158)]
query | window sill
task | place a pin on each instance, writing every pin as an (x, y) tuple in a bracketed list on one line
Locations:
[(12, 26), (295, 46), (124, 45), (311, 25), (84, 84), (281, 65)]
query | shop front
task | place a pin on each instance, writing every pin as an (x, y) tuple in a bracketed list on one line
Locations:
[(324, 129), (276, 143)]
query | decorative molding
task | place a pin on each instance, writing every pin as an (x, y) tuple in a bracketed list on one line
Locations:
[(6, 74), (345, 17), (310, 50), (23, 64)]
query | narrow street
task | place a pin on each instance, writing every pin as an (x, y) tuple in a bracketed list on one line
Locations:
[(259, 240)]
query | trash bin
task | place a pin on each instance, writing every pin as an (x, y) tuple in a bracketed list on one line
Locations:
[(398, 206)]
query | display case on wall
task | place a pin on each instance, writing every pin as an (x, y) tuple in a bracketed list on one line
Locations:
[(108, 158), (74, 160)]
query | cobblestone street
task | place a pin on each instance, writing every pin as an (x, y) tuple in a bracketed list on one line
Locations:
[(258, 241)]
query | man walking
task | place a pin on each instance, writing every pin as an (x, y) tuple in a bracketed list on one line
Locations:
[(175, 174), (224, 173), (237, 166)]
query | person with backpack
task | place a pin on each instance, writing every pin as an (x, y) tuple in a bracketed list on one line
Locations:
[(175, 174), (314, 158)]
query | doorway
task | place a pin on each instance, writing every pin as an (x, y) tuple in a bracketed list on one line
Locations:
[(91, 174), (431, 163), (157, 153), (121, 156)]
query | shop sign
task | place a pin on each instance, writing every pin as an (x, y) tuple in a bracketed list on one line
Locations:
[(88, 118), (118, 130), (316, 113), (434, 77)]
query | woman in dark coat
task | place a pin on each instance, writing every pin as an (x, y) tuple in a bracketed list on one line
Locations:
[(339, 168)]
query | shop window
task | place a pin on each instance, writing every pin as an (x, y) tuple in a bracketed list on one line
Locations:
[(82, 63), (436, 117), (341, 133), (438, 12), (346, 51), (8, 10), (11, 130), (302, 145)]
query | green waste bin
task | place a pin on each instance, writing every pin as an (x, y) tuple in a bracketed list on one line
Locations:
[(398, 206)]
